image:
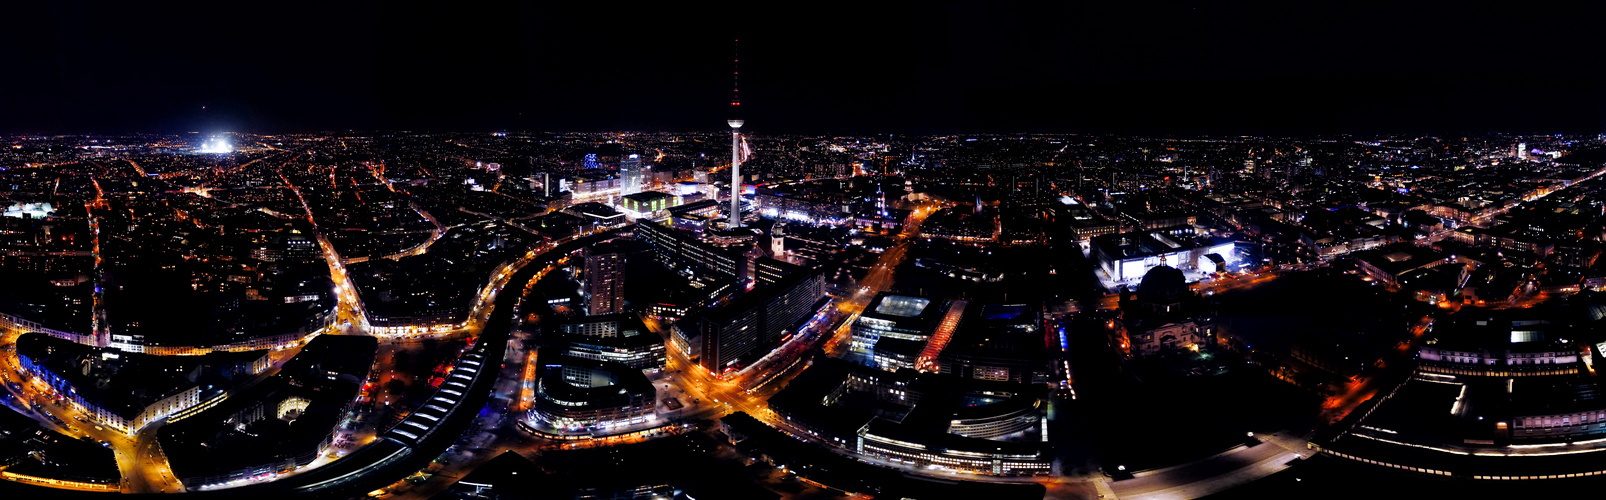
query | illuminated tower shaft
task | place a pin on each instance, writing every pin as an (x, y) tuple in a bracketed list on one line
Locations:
[(736, 173), (735, 122)]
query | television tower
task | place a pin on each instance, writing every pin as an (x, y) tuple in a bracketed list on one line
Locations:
[(735, 122)]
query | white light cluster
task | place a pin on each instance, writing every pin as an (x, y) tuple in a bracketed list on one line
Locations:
[(219, 146)]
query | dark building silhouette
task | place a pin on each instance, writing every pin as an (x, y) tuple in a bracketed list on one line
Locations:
[(1165, 314)]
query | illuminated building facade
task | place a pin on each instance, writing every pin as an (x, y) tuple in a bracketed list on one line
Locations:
[(29, 210), (816, 209), (1165, 315), (682, 250), (595, 189), (127, 391), (604, 279), (893, 329), (630, 174), (620, 338), (648, 204), (579, 396), (1126, 257)]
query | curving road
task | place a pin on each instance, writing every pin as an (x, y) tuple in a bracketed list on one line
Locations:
[(385, 460)]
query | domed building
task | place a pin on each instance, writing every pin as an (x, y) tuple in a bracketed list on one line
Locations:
[(1165, 315), (1163, 289)]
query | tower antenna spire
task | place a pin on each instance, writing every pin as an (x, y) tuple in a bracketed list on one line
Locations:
[(736, 80), (735, 122)]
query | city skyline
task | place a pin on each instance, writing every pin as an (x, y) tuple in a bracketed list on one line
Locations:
[(1004, 298), (1009, 251)]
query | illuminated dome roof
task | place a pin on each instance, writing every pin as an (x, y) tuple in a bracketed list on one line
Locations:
[(1162, 285)]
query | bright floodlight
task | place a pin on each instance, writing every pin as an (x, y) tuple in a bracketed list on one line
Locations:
[(217, 146)]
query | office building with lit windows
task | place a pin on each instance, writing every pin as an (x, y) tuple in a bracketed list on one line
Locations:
[(583, 396), (893, 329), (127, 391), (604, 279), (683, 251), (729, 337), (620, 338)]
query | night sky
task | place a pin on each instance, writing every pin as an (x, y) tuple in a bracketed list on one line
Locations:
[(1182, 68)]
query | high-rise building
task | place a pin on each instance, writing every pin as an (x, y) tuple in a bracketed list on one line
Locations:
[(792, 301), (1522, 150), (725, 335), (630, 172), (605, 280)]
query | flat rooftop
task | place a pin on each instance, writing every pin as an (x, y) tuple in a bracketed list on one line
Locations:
[(1147, 243), (904, 312), (1007, 312), (902, 306)]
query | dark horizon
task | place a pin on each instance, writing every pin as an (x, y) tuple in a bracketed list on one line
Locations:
[(1165, 68)]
